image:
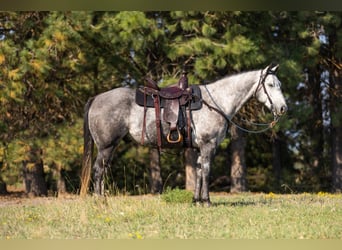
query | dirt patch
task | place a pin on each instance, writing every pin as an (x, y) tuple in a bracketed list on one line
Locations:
[(20, 198)]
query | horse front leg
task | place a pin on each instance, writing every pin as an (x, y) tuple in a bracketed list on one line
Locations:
[(205, 183), (207, 153), (103, 160), (198, 184)]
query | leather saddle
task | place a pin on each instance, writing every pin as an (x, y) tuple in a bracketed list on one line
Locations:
[(177, 101)]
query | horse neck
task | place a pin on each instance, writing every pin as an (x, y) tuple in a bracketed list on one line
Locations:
[(231, 93)]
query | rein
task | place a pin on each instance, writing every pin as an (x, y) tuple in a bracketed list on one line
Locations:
[(267, 125), (229, 119)]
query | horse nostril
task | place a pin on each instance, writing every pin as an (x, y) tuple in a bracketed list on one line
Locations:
[(283, 109)]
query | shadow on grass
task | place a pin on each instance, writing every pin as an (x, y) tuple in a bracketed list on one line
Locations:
[(233, 203)]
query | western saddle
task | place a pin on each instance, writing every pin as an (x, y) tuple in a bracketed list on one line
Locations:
[(177, 102)]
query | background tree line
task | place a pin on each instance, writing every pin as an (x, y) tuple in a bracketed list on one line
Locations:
[(52, 62)]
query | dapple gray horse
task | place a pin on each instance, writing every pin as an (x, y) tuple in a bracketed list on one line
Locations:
[(111, 115)]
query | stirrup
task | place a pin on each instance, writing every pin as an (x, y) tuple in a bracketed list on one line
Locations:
[(180, 137)]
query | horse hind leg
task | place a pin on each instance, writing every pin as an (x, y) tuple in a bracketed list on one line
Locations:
[(102, 162)]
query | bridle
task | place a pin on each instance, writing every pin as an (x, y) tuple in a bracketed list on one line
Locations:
[(261, 84)]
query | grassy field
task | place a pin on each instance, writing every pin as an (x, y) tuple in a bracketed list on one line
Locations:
[(242, 216)]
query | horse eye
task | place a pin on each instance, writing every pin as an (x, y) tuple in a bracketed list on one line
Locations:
[(270, 85)]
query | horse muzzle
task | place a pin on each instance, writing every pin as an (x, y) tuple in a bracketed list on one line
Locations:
[(282, 110), (278, 112)]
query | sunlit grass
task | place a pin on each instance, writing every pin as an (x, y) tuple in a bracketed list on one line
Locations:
[(244, 216)]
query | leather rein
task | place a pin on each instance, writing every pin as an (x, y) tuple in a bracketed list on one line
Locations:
[(267, 126)]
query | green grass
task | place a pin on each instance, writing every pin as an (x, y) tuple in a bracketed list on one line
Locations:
[(244, 216)]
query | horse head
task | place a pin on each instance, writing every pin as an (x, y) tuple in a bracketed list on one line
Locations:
[(269, 93)]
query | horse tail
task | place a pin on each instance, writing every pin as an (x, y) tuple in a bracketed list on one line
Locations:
[(88, 150)]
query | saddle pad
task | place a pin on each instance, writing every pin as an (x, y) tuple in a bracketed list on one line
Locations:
[(196, 102)]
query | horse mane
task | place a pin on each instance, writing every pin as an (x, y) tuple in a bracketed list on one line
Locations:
[(231, 76)]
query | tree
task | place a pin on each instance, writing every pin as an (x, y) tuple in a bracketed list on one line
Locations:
[(3, 187), (316, 102), (39, 60), (156, 183), (33, 171), (238, 166), (332, 60), (190, 160)]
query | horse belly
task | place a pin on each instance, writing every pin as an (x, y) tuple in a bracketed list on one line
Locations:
[(136, 124)]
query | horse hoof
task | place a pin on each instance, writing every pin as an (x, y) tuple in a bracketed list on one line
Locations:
[(198, 203), (207, 203)]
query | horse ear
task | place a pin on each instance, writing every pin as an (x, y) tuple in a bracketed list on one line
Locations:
[(272, 68)]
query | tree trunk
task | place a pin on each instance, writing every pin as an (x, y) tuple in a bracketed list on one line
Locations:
[(33, 173), (156, 181), (337, 159), (238, 167), (316, 132), (336, 130), (60, 181), (3, 187), (276, 162), (190, 159)]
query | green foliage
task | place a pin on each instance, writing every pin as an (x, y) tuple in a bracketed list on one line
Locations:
[(207, 30), (177, 196), (66, 147)]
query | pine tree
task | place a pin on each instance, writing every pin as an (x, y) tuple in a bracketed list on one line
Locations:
[(52, 62), (41, 65)]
